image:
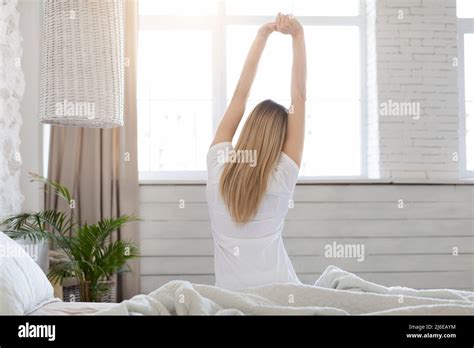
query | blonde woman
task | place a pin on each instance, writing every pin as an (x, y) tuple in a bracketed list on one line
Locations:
[(249, 187)]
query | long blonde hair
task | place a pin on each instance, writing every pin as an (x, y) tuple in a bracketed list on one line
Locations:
[(243, 186)]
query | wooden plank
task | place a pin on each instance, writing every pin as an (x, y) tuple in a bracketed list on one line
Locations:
[(314, 211), (172, 193), (317, 264), (317, 246), (381, 193), (322, 228), (173, 212), (324, 193), (176, 265), (379, 228), (174, 229), (384, 246), (363, 210), (385, 263), (177, 247)]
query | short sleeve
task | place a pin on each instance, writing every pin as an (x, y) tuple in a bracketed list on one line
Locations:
[(286, 173), (216, 156)]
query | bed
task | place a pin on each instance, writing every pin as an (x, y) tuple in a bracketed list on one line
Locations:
[(25, 289), (336, 292), (71, 308)]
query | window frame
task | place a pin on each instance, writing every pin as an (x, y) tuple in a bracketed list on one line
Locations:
[(217, 25), (464, 26)]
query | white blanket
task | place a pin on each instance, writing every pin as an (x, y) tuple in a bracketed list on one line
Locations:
[(336, 292)]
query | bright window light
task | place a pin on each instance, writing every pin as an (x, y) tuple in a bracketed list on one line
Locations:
[(333, 137), (465, 8), (469, 98), (188, 69), (174, 99), (274, 70), (178, 7)]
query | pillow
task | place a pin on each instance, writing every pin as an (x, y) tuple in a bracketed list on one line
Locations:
[(23, 285)]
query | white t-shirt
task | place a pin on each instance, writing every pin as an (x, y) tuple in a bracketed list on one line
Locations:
[(252, 254)]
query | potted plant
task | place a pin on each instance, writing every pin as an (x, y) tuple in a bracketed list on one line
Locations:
[(84, 252)]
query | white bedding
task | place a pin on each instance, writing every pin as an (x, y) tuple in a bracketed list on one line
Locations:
[(23, 285), (336, 292), (71, 308)]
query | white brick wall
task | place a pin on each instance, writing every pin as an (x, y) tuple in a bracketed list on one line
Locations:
[(415, 42)]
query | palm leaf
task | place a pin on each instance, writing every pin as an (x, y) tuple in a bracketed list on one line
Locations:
[(17, 221), (24, 225), (48, 224), (60, 190), (107, 226), (57, 220), (115, 255), (27, 232)]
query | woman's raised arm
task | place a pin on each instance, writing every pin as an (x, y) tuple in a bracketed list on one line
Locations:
[(294, 142), (232, 116)]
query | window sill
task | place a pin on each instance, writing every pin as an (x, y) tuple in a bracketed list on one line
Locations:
[(319, 181)]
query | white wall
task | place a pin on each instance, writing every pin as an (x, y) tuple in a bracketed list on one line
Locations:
[(416, 42), (410, 246), (11, 93), (31, 130)]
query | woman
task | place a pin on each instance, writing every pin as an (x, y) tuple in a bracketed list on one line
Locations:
[(249, 199)]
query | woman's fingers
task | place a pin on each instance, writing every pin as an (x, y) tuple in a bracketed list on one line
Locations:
[(286, 24), (283, 23)]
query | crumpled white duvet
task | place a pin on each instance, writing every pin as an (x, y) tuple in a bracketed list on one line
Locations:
[(336, 292)]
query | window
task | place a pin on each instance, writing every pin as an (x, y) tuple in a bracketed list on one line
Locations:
[(190, 56), (465, 12), (465, 8)]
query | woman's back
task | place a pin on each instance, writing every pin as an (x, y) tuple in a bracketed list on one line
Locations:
[(248, 201), (253, 253)]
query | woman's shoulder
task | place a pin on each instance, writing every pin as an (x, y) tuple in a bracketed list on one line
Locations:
[(218, 152), (216, 158), (284, 175)]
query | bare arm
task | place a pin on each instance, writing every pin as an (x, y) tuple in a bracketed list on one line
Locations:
[(232, 116), (294, 143)]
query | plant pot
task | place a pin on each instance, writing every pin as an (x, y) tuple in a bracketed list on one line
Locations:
[(75, 292)]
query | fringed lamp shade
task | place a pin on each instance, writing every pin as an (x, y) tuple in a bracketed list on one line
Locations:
[(82, 78)]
